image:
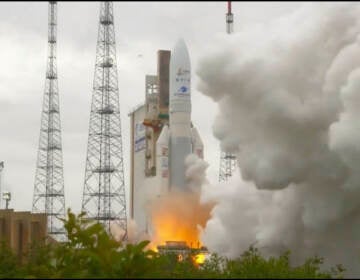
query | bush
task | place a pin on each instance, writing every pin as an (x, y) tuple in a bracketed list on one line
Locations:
[(252, 265), (9, 266)]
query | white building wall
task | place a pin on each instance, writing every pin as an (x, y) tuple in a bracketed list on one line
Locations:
[(143, 189), (137, 174)]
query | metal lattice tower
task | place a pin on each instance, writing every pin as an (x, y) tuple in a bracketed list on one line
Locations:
[(49, 181), (229, 19), (227, 166), (104, 188), (227, 160)]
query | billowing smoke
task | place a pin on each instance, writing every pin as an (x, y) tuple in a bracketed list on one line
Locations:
[(289, 100), (195, 173), (133, 233)]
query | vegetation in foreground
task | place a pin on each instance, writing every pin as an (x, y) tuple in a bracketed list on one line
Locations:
[(91, 253)]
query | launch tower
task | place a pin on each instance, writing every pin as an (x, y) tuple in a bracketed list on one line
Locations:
[(49, 182), (104, 188)]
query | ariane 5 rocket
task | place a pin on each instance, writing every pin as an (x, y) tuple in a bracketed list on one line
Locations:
[(179, 138)]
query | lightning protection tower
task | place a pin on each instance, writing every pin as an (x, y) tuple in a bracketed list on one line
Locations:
[(227, 166), (104, 188), (229, 19), (227, 160), (49, 182)]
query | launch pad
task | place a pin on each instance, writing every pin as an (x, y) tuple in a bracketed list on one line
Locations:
[(182, 250)]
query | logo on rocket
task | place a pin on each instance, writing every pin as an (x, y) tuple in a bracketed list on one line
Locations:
[(183, 89), (181, 71)]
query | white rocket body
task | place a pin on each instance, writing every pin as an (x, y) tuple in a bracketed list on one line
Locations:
[(162, 162), (180, 138)]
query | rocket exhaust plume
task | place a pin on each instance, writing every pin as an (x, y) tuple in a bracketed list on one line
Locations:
[(289, 98), (179, 215)]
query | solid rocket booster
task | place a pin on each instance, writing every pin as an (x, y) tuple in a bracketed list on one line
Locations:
[(180, 138)]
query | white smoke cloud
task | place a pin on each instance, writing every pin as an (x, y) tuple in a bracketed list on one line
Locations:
[(289, 100), (195, 172), (133, 233)]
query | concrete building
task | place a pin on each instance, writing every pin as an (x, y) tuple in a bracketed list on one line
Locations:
[(146, 122), (20, 229)]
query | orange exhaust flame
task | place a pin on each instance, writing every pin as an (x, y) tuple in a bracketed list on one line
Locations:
[(177, 216), (199, 258)]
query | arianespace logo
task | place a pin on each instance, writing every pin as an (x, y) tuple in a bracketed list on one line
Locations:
[(181, 71)]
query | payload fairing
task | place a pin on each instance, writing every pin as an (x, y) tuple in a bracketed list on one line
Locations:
[(180, 138)]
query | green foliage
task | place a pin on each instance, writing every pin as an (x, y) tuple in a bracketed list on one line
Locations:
[(253, 265), (9, 267), (91, 253), (39, 261), (134, 261)]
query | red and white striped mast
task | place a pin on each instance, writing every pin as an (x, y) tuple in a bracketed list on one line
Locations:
[(229, 19)]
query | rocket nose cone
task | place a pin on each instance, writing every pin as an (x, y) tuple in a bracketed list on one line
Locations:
[(180, 51), (180, 44)]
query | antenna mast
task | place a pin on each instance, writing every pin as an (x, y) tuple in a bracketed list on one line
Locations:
[(104, 187), (229, 19), (49, 181)]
